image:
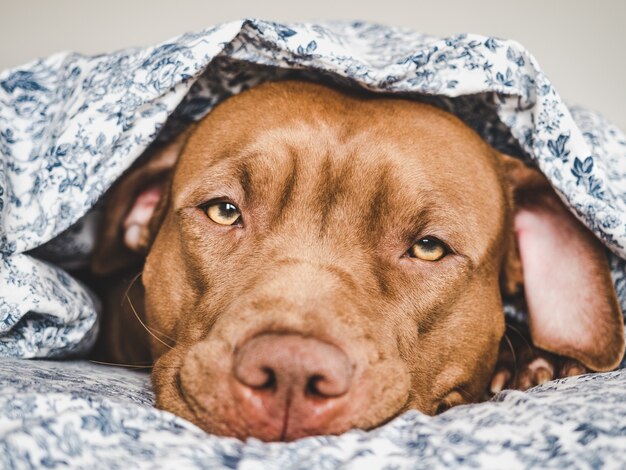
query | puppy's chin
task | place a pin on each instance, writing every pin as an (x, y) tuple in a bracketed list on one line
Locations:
[(198, 385)]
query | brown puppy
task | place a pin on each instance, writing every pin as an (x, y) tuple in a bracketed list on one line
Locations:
[(319, 261)]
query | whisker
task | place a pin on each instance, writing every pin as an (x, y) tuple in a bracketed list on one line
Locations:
[(132, 307), (521, 335), (130, 286), (133, 366), (510, 344), (150, 330), (468, 396)]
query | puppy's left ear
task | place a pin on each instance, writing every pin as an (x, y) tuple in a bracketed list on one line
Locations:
[(132, 206), (572, 306)]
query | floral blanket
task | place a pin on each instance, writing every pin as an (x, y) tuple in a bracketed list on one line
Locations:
[(81, 415), (70, 125)]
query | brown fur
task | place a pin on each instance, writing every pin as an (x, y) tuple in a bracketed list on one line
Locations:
[(333, 188)]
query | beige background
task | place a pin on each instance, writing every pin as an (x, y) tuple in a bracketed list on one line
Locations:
[(581, 44)]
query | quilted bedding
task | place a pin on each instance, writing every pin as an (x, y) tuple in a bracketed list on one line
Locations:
[(69, 127)]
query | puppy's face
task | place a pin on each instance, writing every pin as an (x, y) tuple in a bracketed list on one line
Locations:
[(325, 262)]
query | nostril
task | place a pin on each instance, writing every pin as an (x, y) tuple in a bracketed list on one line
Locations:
[(327, 385), (312, 386), (256, 376), (270, 382), (286, 364)]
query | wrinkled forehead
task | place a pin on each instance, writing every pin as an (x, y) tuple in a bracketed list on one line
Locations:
[(323, 139), (277, 116)]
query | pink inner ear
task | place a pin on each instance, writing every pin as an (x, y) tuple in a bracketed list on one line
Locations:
[(136, 222), (573, 310)]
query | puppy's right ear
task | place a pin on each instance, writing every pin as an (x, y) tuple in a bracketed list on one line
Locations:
[(140, 195)]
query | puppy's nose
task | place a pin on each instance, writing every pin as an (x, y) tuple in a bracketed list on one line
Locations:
[(291, 385)]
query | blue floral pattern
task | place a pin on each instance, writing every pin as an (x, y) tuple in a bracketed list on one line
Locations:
[(70, 125), (81, 415)]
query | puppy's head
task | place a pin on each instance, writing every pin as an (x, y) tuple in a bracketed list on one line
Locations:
[(326, 261)]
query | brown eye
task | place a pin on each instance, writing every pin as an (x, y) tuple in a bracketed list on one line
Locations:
[(428, 249), (223, 213)]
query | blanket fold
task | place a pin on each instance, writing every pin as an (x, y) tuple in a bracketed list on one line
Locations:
[(70, 125)]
